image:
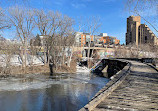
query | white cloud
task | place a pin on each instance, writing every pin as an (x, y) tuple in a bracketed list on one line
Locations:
[(78, 5), (59, 2)]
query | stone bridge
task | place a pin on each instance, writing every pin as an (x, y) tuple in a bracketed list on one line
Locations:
[(108, 67), (134, 87)]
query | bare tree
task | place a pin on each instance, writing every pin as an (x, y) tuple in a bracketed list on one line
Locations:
[(91, 26), (23, 21), (48, 25), (147, 9), (132, 51), (8, 50), (62, 39), (57, 30), (4, 23)]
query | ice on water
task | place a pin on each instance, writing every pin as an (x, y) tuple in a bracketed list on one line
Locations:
[(41, 81)]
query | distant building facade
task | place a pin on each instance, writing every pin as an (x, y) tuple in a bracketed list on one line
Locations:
[(86, 38), (83, 39), (146, 35), (138, 33), (109, 40), (99, 37)]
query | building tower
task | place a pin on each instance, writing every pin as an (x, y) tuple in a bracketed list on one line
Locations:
[(138, 33), (146, 35), (133, 23)]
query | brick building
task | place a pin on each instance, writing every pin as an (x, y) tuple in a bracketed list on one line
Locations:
[(109, 40), (83, 39), (86, 38)]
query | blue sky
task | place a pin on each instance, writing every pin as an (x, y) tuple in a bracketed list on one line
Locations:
[(112, 13)]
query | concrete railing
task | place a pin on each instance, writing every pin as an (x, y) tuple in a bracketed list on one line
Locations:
[(116, 80)]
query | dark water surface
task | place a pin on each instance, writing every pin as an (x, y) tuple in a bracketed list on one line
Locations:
[(63, 92)]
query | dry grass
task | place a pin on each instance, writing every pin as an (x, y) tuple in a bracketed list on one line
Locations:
[(15, 70), (65, 69)]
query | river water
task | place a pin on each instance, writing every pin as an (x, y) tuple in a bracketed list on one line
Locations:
[(36, 92)]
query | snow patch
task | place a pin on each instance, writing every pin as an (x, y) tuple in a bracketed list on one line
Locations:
[(82, 69), (16, 60)]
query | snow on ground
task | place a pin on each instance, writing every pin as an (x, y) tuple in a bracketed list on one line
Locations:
[(16, 60), (82, 69)]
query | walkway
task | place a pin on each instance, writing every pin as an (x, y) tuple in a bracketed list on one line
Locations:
[(138, 92)]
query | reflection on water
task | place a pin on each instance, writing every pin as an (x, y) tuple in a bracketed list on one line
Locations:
[(62, 92)]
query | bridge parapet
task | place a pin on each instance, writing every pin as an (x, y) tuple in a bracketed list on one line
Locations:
[(132, 88), (110, 86), (108, 67)]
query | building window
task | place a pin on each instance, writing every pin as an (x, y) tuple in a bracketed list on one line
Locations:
[(146, 39)]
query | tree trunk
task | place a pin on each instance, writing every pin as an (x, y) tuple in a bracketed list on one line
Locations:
[(48, 57), (45, 56), (25, 52), (69, 61), (88, 53)]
